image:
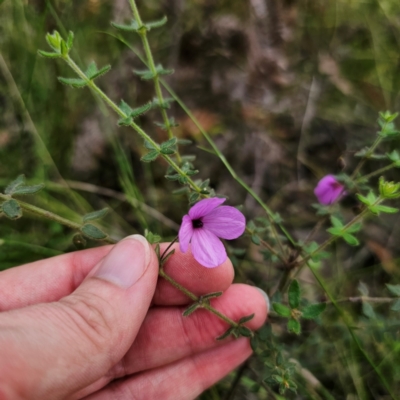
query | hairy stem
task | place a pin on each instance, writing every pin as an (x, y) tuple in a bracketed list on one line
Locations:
[(152, 67), (377, 172)]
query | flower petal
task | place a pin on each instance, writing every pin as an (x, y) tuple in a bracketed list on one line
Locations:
[(226, 222), (203, 207), (328, 190), (207, 249), (185, 233)]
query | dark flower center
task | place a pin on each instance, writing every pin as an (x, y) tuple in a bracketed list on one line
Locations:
[(197, 223)]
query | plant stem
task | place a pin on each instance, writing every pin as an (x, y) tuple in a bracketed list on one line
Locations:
[(349, 326), (195, 298), (368, 154), (377, 172), (152, 67), (49, 215), (136, 127)]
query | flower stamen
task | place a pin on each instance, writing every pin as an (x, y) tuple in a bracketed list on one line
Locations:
[(197, 223)]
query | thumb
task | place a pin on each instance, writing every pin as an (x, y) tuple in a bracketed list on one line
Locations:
[(59, 348)]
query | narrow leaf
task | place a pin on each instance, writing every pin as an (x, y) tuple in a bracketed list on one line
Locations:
[(93, 232), (226, 333), (350, 239), (386, 209), (100, 72), (191, 309), (294, 326), (294, 294), (156, 24), (132, 27), (150, 156), (336, 222), (281, 310), (15, 184), (368, 311), (245, 319), (74, 82), (394, 289), (48, 54), (313, 311), (125, 121), (125, 108), (396, 306), (91, 70), (246, 332), (254, 342), (28, 189), (70, 39), (136, 112), (95, 215)]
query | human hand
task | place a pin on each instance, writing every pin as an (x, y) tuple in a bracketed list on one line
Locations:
[(98, 324)]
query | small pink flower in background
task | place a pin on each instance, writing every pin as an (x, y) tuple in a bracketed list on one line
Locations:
[(328, 190), (205, 223)]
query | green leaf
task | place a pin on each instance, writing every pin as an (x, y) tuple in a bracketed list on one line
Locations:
[(254, 343), (136, 112), (191, 309), (11, 209), (95, 215), (15, 184), (281, 310), (243, 331), (150, 156), (193, 197), (336, 222), (386, 209), (93, 232), (70, 40), (148, 145), (144, 74), (294, 326), (28, 189), (350, 239), (169, 143), (64, 48), (227, 333), (335, 231), (168, 151), (91, 69), (174, 177), (313, 311), (165, 104), (363, 199), (354, 228), (184, 142), (48, 54), (256, 240), (396, 306), (132, 27), (248, 318), (162, 71), (171, 123), (74, 82), (368, 311), (394, 289), (125, 108), (294, 294), (100, 72), (156, 24), (125, 121), (363, 289)]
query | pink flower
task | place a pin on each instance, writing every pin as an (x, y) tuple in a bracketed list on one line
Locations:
[(205, 223), (328, 190)]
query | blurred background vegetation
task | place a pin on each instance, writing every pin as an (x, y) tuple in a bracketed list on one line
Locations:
[(289, 91)]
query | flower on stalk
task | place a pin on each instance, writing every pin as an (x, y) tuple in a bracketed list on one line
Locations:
[(205, 223), (329, 190)]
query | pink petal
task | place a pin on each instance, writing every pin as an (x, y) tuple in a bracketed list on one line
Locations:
[(207, 249), (203, 207), (185, 233), (226, 222), (328, 190)]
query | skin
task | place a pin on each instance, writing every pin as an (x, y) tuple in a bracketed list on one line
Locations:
[(65, 334)]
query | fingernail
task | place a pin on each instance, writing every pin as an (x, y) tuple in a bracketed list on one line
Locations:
[(126, 262), (266, 298)]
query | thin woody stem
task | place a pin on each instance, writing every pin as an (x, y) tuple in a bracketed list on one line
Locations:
[(156, 79)]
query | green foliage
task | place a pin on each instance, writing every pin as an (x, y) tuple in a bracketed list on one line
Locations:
[(388, 129), (95, 215), (345, 232), (294, 294), (389, 190), (11, 209), (18, 187), (93, 232), (151, 237)]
